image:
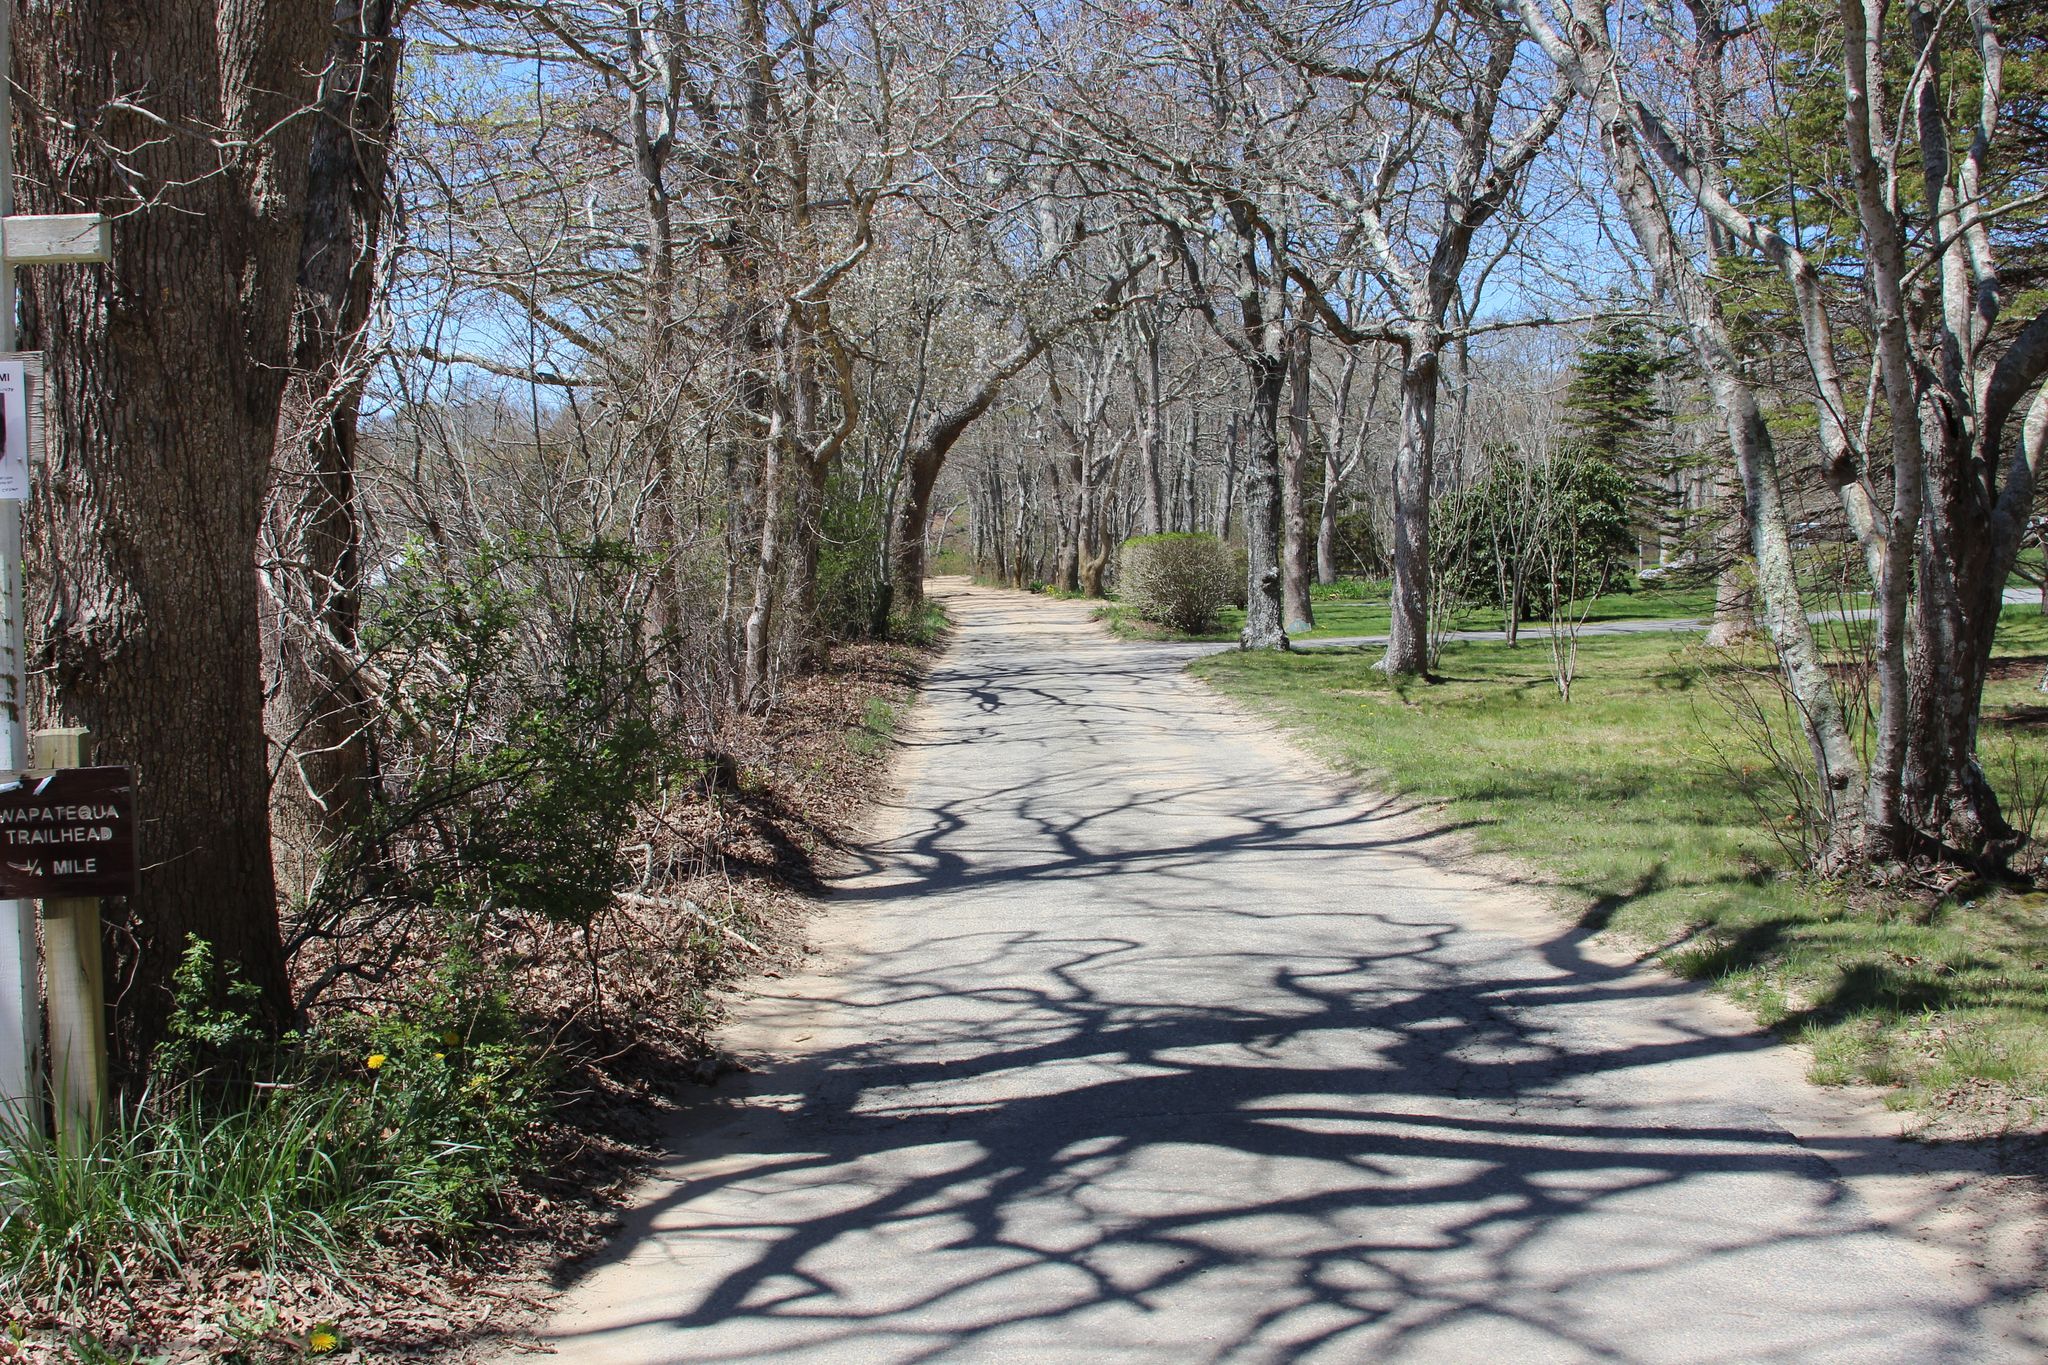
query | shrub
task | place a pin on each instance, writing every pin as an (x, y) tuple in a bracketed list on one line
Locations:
[(1538, 531), (853, 560), (1179, 581), (517, 746)]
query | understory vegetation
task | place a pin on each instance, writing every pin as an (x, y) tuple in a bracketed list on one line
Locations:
[(1651, 814), (493, 1023)]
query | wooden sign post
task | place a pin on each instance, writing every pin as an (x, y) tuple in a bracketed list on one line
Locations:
[(69, 238), (67, 838)]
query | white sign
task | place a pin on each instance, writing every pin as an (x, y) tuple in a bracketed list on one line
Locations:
[(14, 430)]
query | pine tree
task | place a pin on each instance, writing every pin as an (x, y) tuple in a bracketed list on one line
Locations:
[(1612, 398), (1615, 415)]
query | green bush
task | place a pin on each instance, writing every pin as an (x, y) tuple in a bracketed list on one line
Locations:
[(1180, 580), (853, 560), (924, 624), (1534, 533), (512, 774)]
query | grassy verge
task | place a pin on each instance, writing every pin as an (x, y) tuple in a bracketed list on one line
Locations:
[(1351, 607), (877, 727), (923, 626), (1638, 800)]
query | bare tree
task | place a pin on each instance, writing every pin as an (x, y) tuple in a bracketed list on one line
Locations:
[(312, 560), (1589, 60), (1941, 546), (1441, 173)]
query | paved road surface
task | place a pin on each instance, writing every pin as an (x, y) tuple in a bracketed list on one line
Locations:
[(1139, 1042)]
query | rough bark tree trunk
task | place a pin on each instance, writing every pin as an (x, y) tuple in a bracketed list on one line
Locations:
[(166, 369), (315, 710), (1094, 561), (1942, 788), (1067, 576), (1297, 604), (1264, 615), (1408, 637)]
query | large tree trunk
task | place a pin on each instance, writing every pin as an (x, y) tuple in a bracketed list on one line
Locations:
[(316, 709), (906, 576), (166, 370), (1149, 471), (1094, 558), (1067, 575), (1297, 605), (1091, 545), (1943, 792), (1408, 640), (1264, 616)]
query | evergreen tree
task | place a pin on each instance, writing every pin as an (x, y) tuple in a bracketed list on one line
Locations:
[(1612, 398), (1617, 417)]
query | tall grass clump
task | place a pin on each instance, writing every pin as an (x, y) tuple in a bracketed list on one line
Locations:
[(305, 1159)]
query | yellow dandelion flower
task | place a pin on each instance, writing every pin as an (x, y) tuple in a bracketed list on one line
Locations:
[(374, 1060), (440, 1056), (321, 1340)]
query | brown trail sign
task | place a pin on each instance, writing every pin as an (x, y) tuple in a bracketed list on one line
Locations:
[(68, 833)]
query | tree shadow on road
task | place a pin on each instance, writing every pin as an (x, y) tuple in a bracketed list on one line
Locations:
[(1331, 1122)]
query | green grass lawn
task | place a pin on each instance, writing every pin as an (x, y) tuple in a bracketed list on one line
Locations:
[(1353, 607), (1641, 802)]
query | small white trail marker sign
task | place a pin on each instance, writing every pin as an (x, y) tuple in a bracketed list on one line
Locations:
[(65, 239), (14, 429)]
